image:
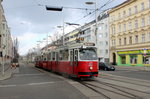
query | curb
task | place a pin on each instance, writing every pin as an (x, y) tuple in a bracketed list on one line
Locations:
[(7, 75), (145, 68)]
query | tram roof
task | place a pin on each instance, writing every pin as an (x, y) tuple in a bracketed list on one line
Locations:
[(77, 45)]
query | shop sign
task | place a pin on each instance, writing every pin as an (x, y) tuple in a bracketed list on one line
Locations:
[(129, 52), (135, 52)]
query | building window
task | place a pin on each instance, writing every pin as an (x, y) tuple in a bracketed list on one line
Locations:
[(100, 35), (143, 37), (142, 6), (123, 59), (149, 3), (136, 24), (125, 41), (143, 22), (146, 59), (119, 27), (106, 51), (113, 42), (129, 11), (120, 41), (135, 9), (133, 59), (124, 13), (0, 41), (130, 25), (149, 36), (113, 30), (101, 43), (106, 43), (149, 20), (124, 27), (130, 40), (119, 15), (106, 26), (136, 39), (3, 26), (106, 34)]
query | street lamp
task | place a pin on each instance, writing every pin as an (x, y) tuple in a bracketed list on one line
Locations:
[(91, 3)]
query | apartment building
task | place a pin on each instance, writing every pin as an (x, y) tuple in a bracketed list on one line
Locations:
[(103, 37), (130, 33), (6, 42)]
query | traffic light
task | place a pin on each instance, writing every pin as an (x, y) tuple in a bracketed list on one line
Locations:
[(53, 8), (1, 54)]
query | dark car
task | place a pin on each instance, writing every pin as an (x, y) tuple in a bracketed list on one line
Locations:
[(14, 63), (106, 66)]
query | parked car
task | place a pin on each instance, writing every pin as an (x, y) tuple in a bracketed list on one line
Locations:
[(106, 66), (14, 63)]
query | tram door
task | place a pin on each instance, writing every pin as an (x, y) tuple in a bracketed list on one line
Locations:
[(57, 69), (73, 60)]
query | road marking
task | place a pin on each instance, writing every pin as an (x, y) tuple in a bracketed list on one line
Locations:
[(42, 83), (7, 86), (29, 84), (30, 74)]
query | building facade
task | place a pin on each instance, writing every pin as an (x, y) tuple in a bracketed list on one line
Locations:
[(103, 37), (130, 33), (6, 42)]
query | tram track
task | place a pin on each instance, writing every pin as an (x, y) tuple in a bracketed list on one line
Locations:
[(126, 82), (111, 85), (121, 93), (86, 85)]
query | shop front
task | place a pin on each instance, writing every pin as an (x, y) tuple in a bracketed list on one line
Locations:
[(134, 57)]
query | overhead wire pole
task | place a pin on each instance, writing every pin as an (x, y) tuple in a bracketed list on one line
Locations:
[(95, 3), (96, 20), (63, 29)]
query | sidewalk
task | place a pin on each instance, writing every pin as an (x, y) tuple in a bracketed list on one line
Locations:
[(7, 74), (142, 68), (7, 71)]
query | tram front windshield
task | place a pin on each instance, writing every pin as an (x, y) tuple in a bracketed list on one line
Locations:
[(87, 54)]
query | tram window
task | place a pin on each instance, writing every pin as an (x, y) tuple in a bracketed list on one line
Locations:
[(42, 58), (53, 56), (60, 55), (64, 55), (49, 56), (76, 55), (71, 55), (88, 54)]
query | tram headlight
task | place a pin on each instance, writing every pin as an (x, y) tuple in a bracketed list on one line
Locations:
[(91, 67)]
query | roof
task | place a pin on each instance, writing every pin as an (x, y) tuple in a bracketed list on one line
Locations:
[(117, 7)]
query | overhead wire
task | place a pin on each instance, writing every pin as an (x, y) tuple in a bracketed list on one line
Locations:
[(99, 9)]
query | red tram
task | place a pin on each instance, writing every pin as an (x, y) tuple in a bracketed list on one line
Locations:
[(77, 60)]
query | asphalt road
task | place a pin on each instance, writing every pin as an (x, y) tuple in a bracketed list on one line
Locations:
[(138, 74), (31, 83)]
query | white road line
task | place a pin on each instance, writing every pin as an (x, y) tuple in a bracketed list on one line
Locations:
[(42, 83), (7, 86), (29, 84), (30, 74)]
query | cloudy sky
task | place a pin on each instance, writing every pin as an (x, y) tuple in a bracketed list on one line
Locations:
[(30, 22)]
